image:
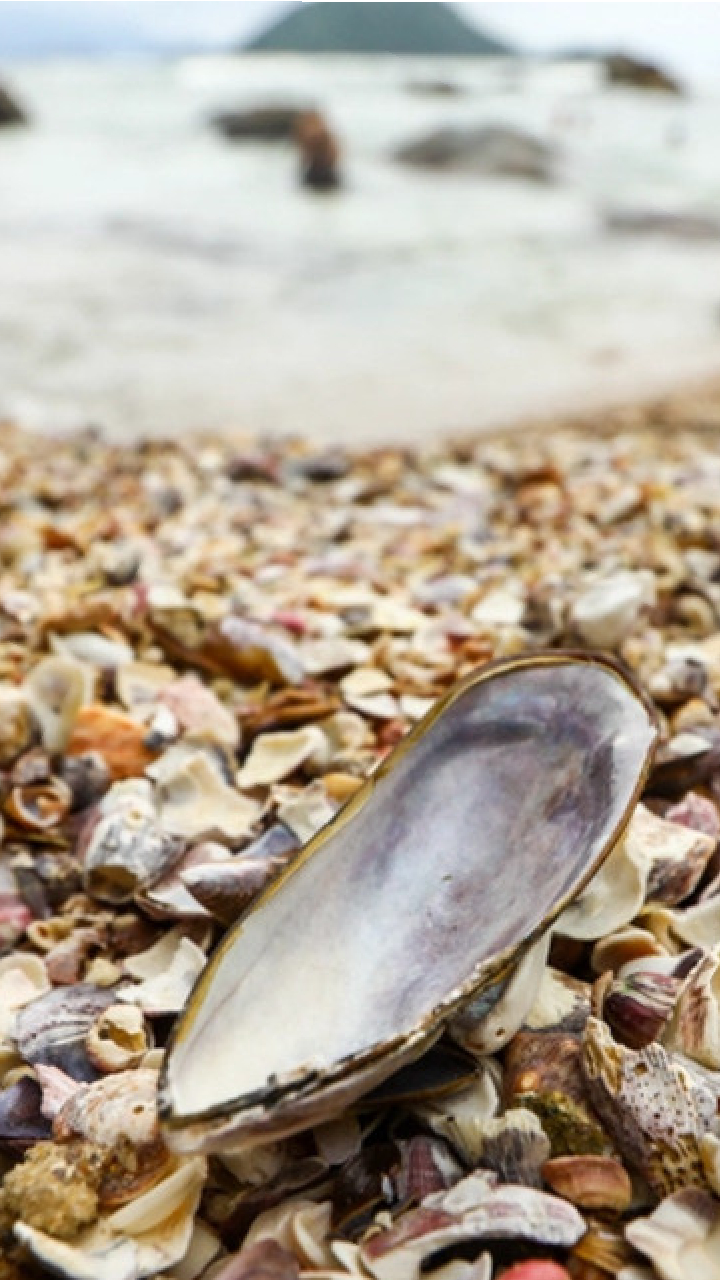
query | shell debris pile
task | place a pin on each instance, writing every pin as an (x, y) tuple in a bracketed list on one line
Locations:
[(205, 648)]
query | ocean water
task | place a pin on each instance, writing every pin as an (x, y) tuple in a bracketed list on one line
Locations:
[(155, 279)]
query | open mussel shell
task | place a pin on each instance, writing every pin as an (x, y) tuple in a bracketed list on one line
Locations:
[(462, 848)]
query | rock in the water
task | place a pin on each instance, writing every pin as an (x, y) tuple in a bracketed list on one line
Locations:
[(10, 110), (622, 69), (487, 149), (681, 226), (271, 123), (435, 88), (319, 152)]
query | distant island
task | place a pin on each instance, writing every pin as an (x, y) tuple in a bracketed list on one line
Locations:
[(434, 29)]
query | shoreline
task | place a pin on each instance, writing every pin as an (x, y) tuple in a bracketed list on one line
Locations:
[(658, 402)]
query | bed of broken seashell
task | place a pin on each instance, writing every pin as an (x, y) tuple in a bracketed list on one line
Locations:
[(204, 649)]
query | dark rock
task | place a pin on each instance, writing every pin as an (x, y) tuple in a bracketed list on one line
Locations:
[(271, 123), (633, 72), (495, 150), (681, 226), (10, 110), (435, 88)]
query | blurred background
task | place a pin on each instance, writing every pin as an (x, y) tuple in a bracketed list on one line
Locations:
[(360, 221)]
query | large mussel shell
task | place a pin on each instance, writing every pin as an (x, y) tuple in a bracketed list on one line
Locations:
[(460, 850)]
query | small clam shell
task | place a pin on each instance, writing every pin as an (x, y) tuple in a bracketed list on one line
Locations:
[(23, 978), (227, 888), (169, 970), (199, 711), (118, 1107), (127, 847), (275, 756), (93, 648), (654, 857), (118, 1040), (305, 813), (623, 947), (255, 652), (53, 1028), (197, 803), (57, 688), (590, 1182), (331, 655), (682, 1237), (638, 1006), (161, 1201), (609, 608), (41, 806)]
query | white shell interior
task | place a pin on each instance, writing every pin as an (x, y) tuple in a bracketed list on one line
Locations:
[(463, 848)]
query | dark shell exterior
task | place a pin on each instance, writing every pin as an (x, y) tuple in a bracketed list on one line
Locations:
[(460, 850)]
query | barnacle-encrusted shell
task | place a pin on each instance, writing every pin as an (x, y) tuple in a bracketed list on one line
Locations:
[(652, 1108), (525, 774), (131, 1244)]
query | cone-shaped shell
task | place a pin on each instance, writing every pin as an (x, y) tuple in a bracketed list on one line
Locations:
[(463, 846)]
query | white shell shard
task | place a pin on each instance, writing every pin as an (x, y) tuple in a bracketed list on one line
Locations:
[(92, 648), (481, 1032), (23, 978), (652, 852), (407, 905), (194, 799), (57, 688), (275, 756), (609, 608), (474, 1209), (682, 1237), (156, 1205), (167, 990)]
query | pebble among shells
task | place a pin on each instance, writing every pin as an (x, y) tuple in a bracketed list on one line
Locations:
[(204, 649)]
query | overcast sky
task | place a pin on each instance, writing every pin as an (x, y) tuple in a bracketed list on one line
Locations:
[(683, 33)]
